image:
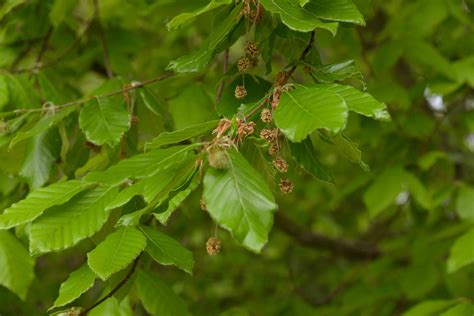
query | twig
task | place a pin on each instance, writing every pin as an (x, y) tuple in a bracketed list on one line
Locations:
[(220, 89), (110, 94), (108, 66), (351, 250), (114, 290), (44, 45)]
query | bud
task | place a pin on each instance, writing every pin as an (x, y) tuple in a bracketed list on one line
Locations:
[(202, 204), (280, 165), (240, 92), (286, 186), (243, 64), (217, 157), (266, 116), (213, 246)]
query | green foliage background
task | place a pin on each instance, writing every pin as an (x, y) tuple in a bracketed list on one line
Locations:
[(380, 221)]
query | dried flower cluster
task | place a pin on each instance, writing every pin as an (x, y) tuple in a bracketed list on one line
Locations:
[(213, 246)]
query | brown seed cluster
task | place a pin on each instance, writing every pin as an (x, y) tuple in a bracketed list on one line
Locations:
[(269, 135), (286, 186), (266, 116), (273, 149), (240, 92), (246, 129), (213, 246), (251, 50), (280, 164), (243, 64), (252, 11)]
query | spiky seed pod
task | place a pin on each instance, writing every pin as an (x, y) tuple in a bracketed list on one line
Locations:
[(280, 164), (243, 64), (240, 92), (266, 116), (245, 129), (268, 134), (273, 149), (217, 157), (251, 50), (213, 246), (286, 186), (202, 204)]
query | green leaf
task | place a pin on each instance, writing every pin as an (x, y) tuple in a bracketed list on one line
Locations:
[(239, 200), (116, 252), (429, 308), (141, 166), (175, 137), (337, 72), (37, 201), (42, 152), (63, 226), (157, 297), (336, 10), (21, 91), (113, 307), (200, 59), (465, 202), (462, 252), (60, 10), (305, 156), (177, 199), (296, 17), (104, 121), (350, 150), (460, 310), (166, 250), (156, 107), (185, 18), (360, 102), (16, 271), (305, 109), (47, 121), (4, 93), (78, 282)]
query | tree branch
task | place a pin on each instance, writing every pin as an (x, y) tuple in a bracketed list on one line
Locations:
[(345, 248), (103, 42), (114, 290), (110, 94)]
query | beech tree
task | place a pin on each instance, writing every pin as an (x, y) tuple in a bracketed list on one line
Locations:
[(237, 157)]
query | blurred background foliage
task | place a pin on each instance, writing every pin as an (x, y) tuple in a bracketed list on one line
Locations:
[(416, 202)]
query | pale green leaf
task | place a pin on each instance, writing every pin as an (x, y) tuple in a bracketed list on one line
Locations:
[(350, 150), (460, 310), (38, 201), (465, 202), (166, 250), (200, 59), (296, 17), (337, 72), (305, 156), (104, 120), (63, 226), (239, 200), (16, 272), (305, 109), (187, 17), (42, 153), (113, 307), (78, 282), (47, 121), (156, 107), (141, 166), (462, 252), (60, 10), (429, 308), (360, 102), (116, 252), (157, 297), (336, 10), (175, 137)]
